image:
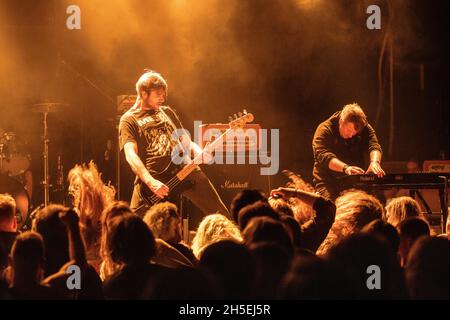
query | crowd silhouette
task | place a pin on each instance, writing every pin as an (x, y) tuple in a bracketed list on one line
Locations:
[(292, 244)]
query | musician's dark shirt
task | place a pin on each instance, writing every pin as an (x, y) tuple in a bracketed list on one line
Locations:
[(328, 144), (152, 131)]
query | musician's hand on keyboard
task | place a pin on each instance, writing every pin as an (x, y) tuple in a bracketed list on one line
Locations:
[(158, 188), (376, 169), (353, 170)]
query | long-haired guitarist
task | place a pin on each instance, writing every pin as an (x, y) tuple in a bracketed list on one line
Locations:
[(147, 140)]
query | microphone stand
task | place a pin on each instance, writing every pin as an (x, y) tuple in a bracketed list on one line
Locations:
[(111, 101), (46, 181)]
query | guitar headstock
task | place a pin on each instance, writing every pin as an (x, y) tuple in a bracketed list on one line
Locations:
[(240, 119)]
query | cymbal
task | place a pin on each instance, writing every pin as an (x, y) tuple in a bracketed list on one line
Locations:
[(4, 137), (48, 107)]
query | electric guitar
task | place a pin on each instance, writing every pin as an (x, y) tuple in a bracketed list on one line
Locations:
[(175, 175)]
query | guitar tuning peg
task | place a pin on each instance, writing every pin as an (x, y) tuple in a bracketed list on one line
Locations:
[(235, 116), (230, 118), (240, 114), (244, 111)]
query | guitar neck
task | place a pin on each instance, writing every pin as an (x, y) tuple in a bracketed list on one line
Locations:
[(187, 169)]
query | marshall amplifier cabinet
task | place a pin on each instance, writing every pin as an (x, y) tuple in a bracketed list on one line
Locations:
[(230, 179), (233, 169)]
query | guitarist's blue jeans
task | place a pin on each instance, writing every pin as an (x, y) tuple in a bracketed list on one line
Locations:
[(196, 187)]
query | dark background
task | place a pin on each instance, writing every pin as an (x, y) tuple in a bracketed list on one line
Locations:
[(290, 62)]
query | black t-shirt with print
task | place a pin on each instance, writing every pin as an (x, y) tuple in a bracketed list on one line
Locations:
[(153, 133)]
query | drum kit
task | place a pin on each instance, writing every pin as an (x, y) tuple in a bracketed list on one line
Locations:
[(15, 161)]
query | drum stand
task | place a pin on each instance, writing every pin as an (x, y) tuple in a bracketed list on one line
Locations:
[(46, 181), (45, 109), (1, 156)]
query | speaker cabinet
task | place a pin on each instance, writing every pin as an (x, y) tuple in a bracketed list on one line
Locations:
[(231, 179)]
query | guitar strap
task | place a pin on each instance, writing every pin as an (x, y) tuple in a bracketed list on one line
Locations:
[(169, 119)]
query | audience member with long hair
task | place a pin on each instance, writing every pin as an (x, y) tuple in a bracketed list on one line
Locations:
[(302, 211), (314, 229), (213, 228), (114, 209), (400, 209), (90, 195), (354, 209)]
